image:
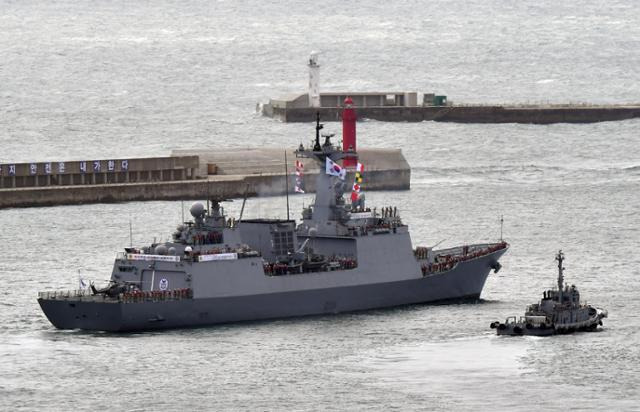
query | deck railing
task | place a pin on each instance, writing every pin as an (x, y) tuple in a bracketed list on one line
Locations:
[(126, 297), (64, 294), (447, 259)]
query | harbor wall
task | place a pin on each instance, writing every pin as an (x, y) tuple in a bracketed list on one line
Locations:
[(97, 171), (464, 114), (226, 187), (259, 172)]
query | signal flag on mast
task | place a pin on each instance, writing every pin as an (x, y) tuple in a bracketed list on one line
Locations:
[(299, 177), (357, 183)]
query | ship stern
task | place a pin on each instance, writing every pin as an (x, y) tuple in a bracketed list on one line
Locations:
[(77, 313)]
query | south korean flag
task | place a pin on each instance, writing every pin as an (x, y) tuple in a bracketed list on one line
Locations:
[(334, 169)]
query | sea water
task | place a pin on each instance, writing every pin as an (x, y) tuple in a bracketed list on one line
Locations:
[(91, 79)]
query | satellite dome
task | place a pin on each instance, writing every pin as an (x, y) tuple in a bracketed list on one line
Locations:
[(172, 251), (161, 250), (313, 232), (188, 249), (197, 210)]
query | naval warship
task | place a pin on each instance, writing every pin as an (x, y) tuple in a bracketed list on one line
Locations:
[(559, 311), (341, 257)]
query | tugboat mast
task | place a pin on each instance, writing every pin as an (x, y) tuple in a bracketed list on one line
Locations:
[(560, 259)]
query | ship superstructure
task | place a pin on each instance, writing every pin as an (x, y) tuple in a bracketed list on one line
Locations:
[(342, 256)]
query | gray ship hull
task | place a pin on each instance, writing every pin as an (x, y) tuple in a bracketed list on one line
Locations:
[(464, 281)]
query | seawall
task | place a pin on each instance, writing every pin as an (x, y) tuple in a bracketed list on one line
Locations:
[(259, 172), (464, 114)]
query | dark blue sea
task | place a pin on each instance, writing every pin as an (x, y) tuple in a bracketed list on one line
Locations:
[(117, 79)]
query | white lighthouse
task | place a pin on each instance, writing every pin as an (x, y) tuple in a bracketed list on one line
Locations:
[(314, 80)]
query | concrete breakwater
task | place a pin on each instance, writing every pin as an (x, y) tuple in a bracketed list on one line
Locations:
[(221, 174), (85, 172), (465, 114), (406, 107)]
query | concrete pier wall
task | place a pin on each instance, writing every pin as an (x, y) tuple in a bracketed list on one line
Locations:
[(221, 187), (91, 172), (464, 114), (259, 170)]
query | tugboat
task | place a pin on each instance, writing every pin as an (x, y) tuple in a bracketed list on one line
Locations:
[(341, 257), (559, 311)]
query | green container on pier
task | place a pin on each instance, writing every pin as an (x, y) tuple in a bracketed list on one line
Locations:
[(439, 100)]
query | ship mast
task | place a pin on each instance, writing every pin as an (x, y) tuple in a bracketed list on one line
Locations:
[(328, 205), (316, 146), (560, 259)]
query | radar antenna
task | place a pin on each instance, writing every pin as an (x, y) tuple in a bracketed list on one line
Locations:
[(327, 139)]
